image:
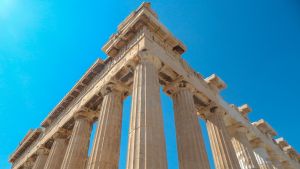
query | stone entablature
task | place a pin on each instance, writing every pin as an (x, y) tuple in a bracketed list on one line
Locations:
[(144, 49), (281, 142), (30, 138), (245, 109), (288, 149), (265, 128), (95, 69)]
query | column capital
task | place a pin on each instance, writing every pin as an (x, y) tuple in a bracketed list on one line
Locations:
[(178, 84), (61, 133), (29, 163), (43, 150), (86, 114), (82, 115), (113, 87), (145, 56), (212, 109)]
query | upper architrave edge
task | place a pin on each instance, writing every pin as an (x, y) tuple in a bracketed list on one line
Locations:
[(30, 137), (74, 92), (265, 127)]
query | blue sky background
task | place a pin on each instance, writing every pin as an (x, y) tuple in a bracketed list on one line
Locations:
[(46, 46)]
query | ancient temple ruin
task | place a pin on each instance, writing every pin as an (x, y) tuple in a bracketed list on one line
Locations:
[(142, 57)]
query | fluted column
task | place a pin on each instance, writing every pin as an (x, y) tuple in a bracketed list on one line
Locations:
[(77, 150), (146, 147), (222, 149), (106, 148), (57, 151), (277, 164), (244, 150), (190, 143), (263, 158), (42, 155)]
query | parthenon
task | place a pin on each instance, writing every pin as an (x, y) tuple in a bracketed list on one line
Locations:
[(142, 58)]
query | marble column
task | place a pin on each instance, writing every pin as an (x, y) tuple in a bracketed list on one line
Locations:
[(190, 143), (277, 164), (106, 147), (77, 151), (222, 148), (42, 155), (146, 145), (243, 149), (57, 151), (263, 158)]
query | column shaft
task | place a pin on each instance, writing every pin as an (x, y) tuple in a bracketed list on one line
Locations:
[(222, 149), (146, 147), (263, 158), (277, 164), (190, 143), (41, 159), (106, 148), (77, 150), (56, 154), (244, 151)]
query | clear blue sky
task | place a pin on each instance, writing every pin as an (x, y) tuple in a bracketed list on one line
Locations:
[(46, 46)]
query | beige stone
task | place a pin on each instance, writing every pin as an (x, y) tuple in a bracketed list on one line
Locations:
[(29, 164), (244, 150), (277, 164), (77, 151), (222, 148), (57, 151), (106, 148), (263, 158), (42, 155), (261, 154), (190, 143), (146, 144)]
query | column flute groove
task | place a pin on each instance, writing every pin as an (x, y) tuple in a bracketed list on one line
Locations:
[(106, 148), (190, 143), (263, 158), (244, 150), (146, 145), (42, 155), (57, 151), (77, 150), (222, 148)]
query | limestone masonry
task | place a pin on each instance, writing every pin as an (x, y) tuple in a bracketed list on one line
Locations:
[(142, 57)]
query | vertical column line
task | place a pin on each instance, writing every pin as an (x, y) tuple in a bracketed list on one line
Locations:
[(190, 143), (146, 149)]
